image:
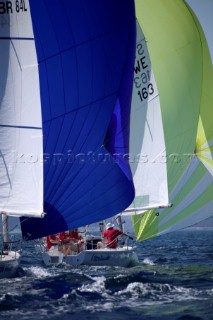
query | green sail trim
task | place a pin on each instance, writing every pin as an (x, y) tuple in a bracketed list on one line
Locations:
[(150, 225), (143, 223), (190, 185), (194, 206)]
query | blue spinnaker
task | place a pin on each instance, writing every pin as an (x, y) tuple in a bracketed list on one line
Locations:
[(86, 51)]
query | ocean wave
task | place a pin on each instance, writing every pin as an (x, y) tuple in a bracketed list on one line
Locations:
[(159, 293), (148, 261), (38, 272)]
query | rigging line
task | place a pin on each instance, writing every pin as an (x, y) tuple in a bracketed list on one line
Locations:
[(16, 38), (157, 95), (17, 57), (17, 225), (2, 156), (82, 107), (19, 127), (72, 47), (13, 228)]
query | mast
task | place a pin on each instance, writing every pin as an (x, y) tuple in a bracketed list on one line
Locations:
[(5, 229), (120, 223), (101, 227)]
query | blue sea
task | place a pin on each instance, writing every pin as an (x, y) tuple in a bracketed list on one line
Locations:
[(174, 280)]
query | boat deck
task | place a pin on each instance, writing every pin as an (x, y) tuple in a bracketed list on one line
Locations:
[(9, 256)]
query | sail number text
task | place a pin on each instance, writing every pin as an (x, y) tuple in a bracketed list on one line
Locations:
[(11, 7), (142, 74)]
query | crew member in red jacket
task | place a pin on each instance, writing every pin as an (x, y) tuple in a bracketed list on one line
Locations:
[(111, 236), (76, 240), (71, 242), (52, 241), (64, 239)]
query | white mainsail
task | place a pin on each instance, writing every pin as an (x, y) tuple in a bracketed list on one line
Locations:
[(21, 168)]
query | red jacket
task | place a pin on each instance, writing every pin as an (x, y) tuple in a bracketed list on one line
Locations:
[(48, 241), (63, 236), (111, 236), (69, 236), (74, 236)]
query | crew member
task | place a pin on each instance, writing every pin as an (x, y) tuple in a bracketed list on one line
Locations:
[(76, 242), (52, 242)]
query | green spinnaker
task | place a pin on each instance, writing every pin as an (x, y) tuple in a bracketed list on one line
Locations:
[(184, 75)]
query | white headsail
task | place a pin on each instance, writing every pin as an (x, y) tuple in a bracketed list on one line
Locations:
[(147, 145)]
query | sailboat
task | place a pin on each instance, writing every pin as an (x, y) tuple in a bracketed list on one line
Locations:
[(174, 179), (92, 250), (85, 55), (10, 254)]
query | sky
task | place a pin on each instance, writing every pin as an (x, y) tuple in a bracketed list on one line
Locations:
[(204, 11)]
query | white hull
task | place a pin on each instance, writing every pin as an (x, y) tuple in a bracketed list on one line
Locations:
[(121, 257), (9, 264), (52, 258)]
